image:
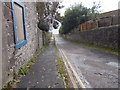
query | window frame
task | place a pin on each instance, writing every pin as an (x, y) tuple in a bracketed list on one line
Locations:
[(19, 45)]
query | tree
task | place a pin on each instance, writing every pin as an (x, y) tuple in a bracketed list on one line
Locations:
[(74, 16), (94, 10), (78, 14), (46, 12)]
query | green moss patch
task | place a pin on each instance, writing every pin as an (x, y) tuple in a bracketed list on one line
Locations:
[(96, 47)]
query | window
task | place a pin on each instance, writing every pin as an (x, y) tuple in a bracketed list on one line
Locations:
[(19, 24)]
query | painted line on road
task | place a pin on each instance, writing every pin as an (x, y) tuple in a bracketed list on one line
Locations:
[(68, 70), (74, 72)]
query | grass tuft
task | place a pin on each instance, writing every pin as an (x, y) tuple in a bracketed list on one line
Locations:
[(96, 47), (23, 70), (61, 68)]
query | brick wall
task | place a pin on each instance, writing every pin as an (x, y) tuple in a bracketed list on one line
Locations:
[(13, 59)]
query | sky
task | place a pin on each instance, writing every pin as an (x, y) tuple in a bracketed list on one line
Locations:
[(106, 5)]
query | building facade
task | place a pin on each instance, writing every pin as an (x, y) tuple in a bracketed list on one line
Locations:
[(21, 37)]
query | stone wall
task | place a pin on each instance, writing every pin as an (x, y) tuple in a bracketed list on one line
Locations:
[(13, 59), (104, 36), (0, 45)]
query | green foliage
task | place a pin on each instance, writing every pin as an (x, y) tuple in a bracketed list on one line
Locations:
[(77, 14), (60, 30), (74, 16), (61, 68), (7, 87), (43, 26), (46, 9), (24, 70), (95, 10), (96, 47)]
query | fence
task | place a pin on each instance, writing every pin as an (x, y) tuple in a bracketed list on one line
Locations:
[(101, 22)]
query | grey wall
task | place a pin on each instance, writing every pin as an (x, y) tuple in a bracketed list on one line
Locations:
[(13, 59), (0, 45), (104, 36)]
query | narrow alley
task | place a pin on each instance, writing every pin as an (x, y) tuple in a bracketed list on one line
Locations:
[(89, 68), (44, 73), (96, 69), (59, 44)]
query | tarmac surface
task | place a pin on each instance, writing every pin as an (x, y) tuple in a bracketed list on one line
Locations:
[(44, 73), (96, 69)]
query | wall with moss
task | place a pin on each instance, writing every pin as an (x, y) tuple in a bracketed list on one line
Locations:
[(104, 36)]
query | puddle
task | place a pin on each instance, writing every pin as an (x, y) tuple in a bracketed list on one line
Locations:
[(114, 64)]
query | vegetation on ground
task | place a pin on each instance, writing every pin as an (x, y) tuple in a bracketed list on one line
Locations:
[(23, 70), (96, 47), (61, 68)]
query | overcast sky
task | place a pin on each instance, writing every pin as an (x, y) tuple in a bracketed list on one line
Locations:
[(106, 5)]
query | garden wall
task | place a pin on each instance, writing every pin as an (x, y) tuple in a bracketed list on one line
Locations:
[(104, 36)]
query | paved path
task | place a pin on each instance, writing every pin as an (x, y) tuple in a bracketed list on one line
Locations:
[(44, 73), (96, 69)]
